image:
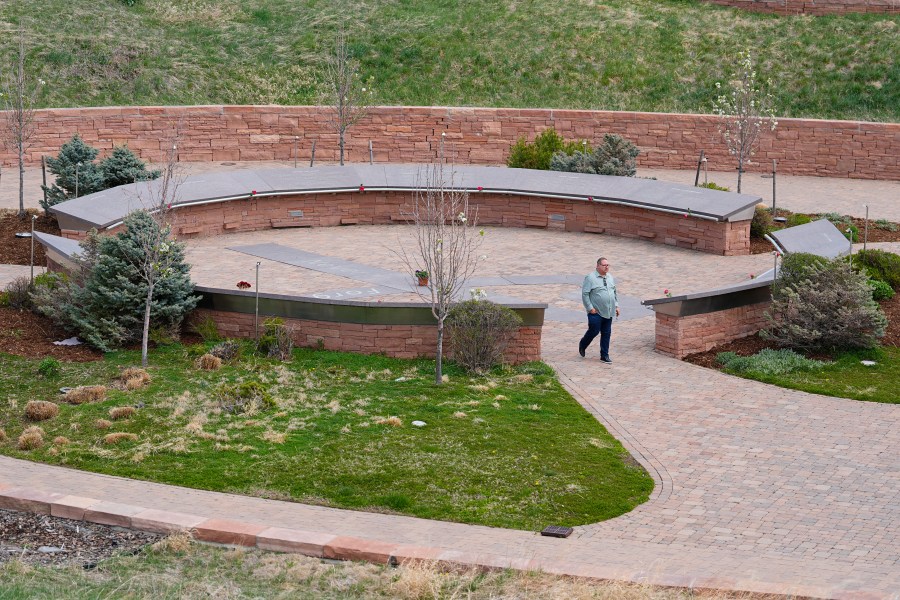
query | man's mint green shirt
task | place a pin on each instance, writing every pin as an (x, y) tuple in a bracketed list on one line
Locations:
[(600, 293)]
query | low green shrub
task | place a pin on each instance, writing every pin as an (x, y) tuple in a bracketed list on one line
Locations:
[(4, 298), (227, 351), (824, 307), (276, 340), (18, 292), (479, 331), (246, 397), (885, 225), (793, 265), (537, 154), (49, 367), (768, 362), (762, 222), (206, 328), (881, 290), (711, 185), (880, 265), (798, 219)]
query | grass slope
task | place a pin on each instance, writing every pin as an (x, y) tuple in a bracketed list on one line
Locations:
[(616, 55), (511, 449)]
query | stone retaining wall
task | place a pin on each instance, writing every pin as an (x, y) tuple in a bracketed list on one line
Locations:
[(680, 336), (398, 341), (813, 7), (473, 135), (378, 208)]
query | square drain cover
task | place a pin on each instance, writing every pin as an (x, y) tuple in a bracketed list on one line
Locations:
[(557, 531)]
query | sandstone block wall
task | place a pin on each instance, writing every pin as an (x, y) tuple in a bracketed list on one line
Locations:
[(680, 336), (473, 135), (398, 341), (813, 7), (380, 208)]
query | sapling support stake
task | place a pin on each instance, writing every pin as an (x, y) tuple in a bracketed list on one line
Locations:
[(33, 217), (866, 230), (312, 157), (256, 309), (699, 163)]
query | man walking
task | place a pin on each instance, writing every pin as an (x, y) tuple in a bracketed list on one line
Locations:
[(598, 293)]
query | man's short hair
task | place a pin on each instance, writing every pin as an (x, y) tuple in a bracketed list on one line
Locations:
[(601, 259)]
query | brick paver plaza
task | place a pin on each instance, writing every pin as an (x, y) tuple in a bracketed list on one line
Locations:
[(757, 488)]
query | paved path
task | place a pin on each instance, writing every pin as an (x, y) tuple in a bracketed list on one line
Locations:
[(758, 488)]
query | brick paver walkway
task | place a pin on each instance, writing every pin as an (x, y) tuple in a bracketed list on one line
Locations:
[(758, 488)]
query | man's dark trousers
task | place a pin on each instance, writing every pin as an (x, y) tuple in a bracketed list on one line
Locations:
[(597, 325)]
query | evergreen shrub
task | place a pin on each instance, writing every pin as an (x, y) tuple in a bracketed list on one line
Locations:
[(537, 154), (614, 156), (880, 265), (762, 222), (479, 332), (880, 290)]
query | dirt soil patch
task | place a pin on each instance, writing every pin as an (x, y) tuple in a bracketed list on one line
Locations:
[(27, 334), (46, 540), (17, 251)]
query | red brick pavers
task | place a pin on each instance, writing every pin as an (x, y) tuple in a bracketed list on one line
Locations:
[(758, 488)]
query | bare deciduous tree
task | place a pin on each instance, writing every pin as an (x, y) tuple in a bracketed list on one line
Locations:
[(743, 113), (345, 92), (446, 243), (18, 102)]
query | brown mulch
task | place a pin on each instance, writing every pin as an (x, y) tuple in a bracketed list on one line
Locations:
[(17, 251), (751, 345), (27, 334), (46, 540)]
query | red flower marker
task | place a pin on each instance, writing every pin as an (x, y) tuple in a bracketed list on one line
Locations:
[(169, 206), (362, 188), (243, 285), (590, 198), (480, 189), (252, 192)]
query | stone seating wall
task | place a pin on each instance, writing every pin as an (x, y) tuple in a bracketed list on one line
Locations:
[(472, 136)]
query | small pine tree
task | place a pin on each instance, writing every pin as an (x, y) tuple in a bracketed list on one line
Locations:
[(615, 156), (123, 167), (75, 158)]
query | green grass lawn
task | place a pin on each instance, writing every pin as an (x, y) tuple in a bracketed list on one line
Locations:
[(617, 55), (511, 449), (847, 377)]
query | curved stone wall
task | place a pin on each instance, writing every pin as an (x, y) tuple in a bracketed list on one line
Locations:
[(472, 136), (813, 7)]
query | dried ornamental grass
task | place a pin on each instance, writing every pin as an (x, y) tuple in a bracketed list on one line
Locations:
[(85, 393), (2, 436), (114, 438), (208, 362), (61, 441), (41, 410), (31, 439), (121, 412), (135, 376), (102, 424)]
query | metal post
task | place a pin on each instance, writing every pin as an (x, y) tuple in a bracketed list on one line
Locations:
[(866, 234), (296, 139), (699, 162), (312, 157), (33, 217), (705, 171), (256, 310), (78, 164), (774, 164), (443, 135), (44, 176), (371, 154)]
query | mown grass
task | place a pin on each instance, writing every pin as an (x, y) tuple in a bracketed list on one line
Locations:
[(616, 55), (511, 449), (185, 570), (847, 377)]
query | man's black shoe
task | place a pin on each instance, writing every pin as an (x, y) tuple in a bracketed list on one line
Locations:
[(606, 359), (581, 351)]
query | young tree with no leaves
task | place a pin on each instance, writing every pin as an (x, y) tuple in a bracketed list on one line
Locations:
[(18, 102), (744, 113), (345, 93), (447, 243)]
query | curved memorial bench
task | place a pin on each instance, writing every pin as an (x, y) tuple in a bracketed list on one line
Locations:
[(218, 203)]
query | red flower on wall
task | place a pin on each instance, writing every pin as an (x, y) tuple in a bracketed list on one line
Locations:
[(480, 189), (362, 188), (243, 285)]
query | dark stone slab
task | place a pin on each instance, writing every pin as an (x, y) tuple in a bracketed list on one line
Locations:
[(818, 237)]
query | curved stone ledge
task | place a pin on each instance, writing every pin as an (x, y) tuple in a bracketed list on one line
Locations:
[(217, 203)]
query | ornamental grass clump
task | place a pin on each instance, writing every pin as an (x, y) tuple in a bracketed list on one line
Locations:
[(208, 362), (479, 332), (768, 362), (135, 378), (118, 413), (41, 410), (31, 439), (823, 306), (85, 393), (112, 439)]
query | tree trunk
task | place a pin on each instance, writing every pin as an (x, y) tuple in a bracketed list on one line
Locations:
[(341, 144), (438, 365), (740, 172), (21, 181), (146, 335)]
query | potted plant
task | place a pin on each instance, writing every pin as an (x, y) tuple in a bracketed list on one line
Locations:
[(422, 277)]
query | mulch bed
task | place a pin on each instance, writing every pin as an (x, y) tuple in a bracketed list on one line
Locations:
[(45, 540), (751, 345), (17, 251), (27, 334)]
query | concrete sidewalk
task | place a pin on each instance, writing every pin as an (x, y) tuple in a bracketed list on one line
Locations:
[(796, 193)]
